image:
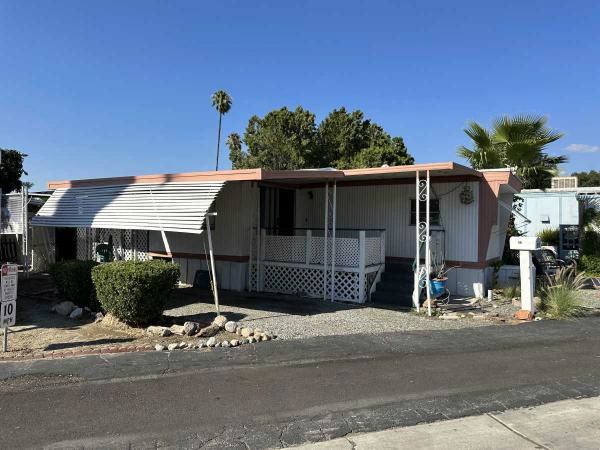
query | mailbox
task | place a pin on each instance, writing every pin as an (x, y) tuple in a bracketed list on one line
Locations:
[(524, 243)]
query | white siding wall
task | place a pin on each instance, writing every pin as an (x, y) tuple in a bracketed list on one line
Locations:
[(388, 207)]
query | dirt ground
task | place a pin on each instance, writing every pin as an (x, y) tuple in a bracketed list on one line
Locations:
[(38, 329)]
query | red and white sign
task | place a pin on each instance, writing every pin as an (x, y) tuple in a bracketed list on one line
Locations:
[(9, 274)]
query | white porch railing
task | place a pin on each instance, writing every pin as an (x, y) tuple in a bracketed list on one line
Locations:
[(295, 263)]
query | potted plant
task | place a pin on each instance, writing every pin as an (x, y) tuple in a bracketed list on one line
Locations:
[(438, 277)]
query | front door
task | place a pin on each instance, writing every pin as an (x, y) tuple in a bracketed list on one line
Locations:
[(278, 210)]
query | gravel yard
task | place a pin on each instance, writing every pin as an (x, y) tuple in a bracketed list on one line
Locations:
[(294, 318)]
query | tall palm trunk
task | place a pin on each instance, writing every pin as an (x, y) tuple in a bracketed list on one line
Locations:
[(219, 141)]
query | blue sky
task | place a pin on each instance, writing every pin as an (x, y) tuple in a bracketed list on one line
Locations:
[(106, 88)]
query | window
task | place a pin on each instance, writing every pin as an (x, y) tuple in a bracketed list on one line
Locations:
[(434, 211)]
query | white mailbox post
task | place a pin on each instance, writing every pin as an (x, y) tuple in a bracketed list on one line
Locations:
[(526, 245)]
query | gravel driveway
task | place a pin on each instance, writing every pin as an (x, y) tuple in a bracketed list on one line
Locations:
[(294, 318)]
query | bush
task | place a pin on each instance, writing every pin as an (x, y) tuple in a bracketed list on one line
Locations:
[(511, 291), (135, 292), (73, 279), (590, 243), (559, 294), (549, 236), (590, 264)]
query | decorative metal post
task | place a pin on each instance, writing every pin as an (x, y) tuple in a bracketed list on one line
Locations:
[(427, 249), (417, 274)]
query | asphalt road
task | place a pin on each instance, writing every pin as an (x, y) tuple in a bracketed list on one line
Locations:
[(284, 393)]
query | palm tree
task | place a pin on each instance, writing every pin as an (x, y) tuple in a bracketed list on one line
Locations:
[(222, 103), (517, 142)]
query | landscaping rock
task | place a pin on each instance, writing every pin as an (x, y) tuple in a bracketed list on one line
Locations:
[(211, 342), (64, 308), (172, 347), (238, 330), (77, 313), (209, 331), (251, 340), (231, 326), (516, 302), (99, 316), (244, 341), (201, 344), (159, 347), (159, 331), (182, 345), (220, 321), (523, 314), (225, 344), (191, 328), (246, 332), (178, 329), (234, 342)]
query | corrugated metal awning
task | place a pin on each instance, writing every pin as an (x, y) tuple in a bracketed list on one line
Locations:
[(178, 207)]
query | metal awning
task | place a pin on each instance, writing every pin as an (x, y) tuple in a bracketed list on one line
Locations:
[(178, 207)]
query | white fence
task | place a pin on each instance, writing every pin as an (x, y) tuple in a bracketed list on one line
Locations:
[(296, 264), (127, 244)]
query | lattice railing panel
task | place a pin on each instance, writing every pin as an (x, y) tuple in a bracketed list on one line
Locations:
[(127, 244), (285, 248), (372, 250), (308, 282), (347, 251)]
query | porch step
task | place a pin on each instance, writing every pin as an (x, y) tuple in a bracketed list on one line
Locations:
[(395, 287)]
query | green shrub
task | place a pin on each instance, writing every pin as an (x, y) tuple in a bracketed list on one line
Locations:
[(590, 264), (73, 279), (549, 236), (511, 291), (135, 292), (559, 294), (590, 243)]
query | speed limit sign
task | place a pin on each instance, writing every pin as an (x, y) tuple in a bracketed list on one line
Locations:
[(8, 313)]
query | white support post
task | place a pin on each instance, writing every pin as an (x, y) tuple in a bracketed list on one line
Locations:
[(261, 254), (258, 241), (325, 233), (25, 228), (527, 281), (212, 262), (382, 247), (250, 254), (427, 249), (308, 246), (333, 246), (417, 278), (361, 263)]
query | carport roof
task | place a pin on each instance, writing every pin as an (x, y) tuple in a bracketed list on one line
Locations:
[(305, 176)]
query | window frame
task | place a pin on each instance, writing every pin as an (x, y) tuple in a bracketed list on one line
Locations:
[(435, 216)]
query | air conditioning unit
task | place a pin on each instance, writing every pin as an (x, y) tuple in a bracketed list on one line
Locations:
[(564, 182)]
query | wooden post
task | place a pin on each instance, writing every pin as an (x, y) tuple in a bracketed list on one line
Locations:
[(361, 263)]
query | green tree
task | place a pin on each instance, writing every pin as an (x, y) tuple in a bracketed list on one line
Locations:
[(287, 139), (518, 142), (11, 170), (587, 179), (221, 101), (282, 140)]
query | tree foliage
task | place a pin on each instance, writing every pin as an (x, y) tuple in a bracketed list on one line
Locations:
[(11, 170), (285, 139), (221, 101), (587, 179), (518, 142)]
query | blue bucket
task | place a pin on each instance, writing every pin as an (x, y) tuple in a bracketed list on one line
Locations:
[(438, 287)]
